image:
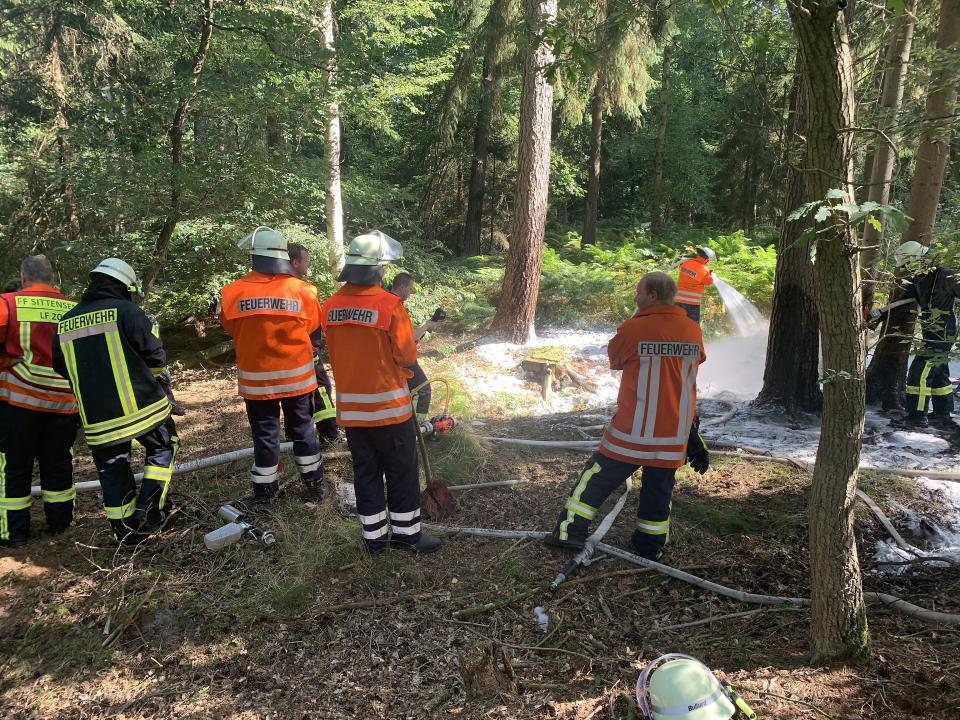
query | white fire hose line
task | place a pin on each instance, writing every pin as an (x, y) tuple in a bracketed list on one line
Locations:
[(889, 601), (194, 465)]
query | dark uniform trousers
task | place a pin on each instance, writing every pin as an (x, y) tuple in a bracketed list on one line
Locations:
[(26, 437), (120, 497), (928, 379), (692, 311), (600, 477), (324, 411), (264, 416), (390, 452), (425, 393)]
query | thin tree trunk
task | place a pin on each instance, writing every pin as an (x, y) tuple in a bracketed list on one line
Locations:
[(592, 208), (334, 200), (478, 167), (659, 199), (64, 152), (838, 628), (884, 157), (888, 367), (200, 138), (790, 378), (521, 282), (497, 36), (175, 133)]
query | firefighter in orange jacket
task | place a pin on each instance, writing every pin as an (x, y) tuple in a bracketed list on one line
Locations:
[(659, 351), (371, 345), (38, 411), (270, 315), (693, 277)]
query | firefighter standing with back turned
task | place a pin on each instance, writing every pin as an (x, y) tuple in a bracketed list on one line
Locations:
[(693, 277), (655, 428), (270, 315), (371, 345), (38, 412), (106, 347), (324, 412)]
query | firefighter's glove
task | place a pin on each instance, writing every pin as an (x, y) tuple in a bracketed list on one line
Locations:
[(697, 453), (439, 314)]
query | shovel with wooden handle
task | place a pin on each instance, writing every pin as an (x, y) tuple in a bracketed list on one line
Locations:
[(437, 502)]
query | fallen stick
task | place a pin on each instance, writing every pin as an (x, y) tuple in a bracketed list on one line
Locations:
[(794, 700), (378, 602), (436, 701), (729, 616), (131, 617), (496, 604)]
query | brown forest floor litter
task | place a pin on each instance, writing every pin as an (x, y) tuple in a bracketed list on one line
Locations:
[(245, 633)]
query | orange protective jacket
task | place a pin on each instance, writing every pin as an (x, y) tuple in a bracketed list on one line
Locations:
[(693, 277), (28, 323), (659, 350), (270, 318), (371, 345)]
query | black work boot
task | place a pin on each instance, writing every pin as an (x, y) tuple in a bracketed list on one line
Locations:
[(127, 531), (570, 544), (943, 422), (914, 421), (426, 544), (13, 542), (314, 490)]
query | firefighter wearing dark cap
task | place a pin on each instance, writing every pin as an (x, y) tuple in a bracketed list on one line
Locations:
[(270, 314), (38, 412), (324, 411), (371, 347), (106, 347)]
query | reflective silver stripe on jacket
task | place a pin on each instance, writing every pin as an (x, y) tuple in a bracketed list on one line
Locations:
[(371, 415), (373, 397), (275, 374), (304, 385)]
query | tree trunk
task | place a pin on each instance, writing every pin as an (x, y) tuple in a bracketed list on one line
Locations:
[(888, 367), (64, 152), (884, 156), (838, 628), (593, 178), (175, 133), (334, 200), (497, 26), (521, 282), (790, 378), (659, 201)]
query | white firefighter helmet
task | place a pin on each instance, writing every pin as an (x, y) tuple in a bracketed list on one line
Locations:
[(373, 248), (707, 253), (265, 242), (268, 251), (119, 270), (909, 251), (679, 687)]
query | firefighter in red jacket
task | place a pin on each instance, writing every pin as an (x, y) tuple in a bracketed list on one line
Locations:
[(371, 345), (654, 428), (270, 315), (38, 412), (693, 277)]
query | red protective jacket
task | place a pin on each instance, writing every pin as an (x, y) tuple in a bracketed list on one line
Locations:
[(28, 323)]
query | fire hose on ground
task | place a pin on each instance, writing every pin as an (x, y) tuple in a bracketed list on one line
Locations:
[(889, 601)]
